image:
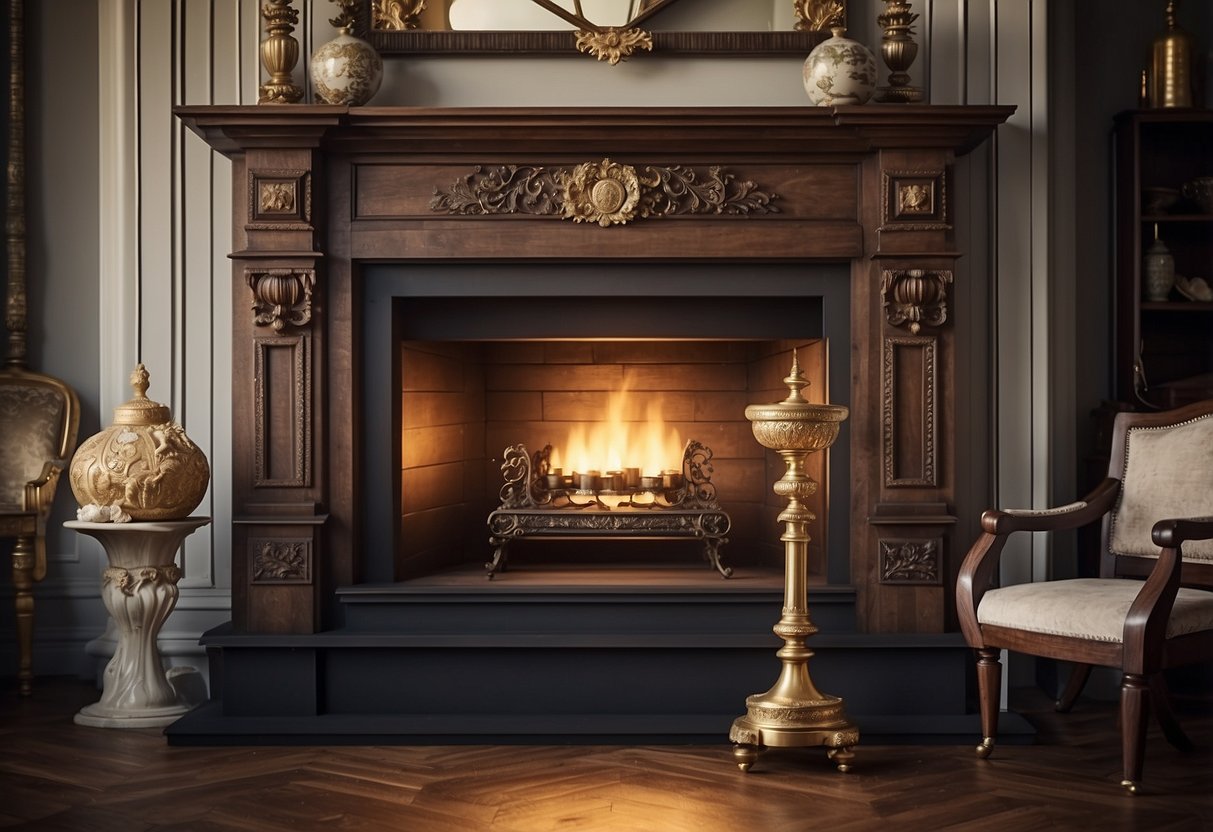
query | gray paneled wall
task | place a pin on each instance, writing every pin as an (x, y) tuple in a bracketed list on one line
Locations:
[(152, 278)]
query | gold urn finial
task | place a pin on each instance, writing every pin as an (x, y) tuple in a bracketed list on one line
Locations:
[(140, 410), (795, 382)]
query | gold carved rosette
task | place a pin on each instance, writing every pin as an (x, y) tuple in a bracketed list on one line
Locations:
[(794, 713)]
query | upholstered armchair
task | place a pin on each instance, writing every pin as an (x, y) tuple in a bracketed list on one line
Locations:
[(1150, 608), (39, 416)]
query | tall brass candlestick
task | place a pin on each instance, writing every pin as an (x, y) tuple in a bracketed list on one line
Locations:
[(793, 713)]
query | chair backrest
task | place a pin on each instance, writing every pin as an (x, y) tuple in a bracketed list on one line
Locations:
[(1165, 464), (39, 416)]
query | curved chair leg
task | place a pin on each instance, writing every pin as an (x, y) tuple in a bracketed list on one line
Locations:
[(1078, 681), (23, 586), (989, 686), (1134, 700), (1160, 703)]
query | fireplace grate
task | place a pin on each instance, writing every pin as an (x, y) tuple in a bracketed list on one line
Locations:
[(540, 502)]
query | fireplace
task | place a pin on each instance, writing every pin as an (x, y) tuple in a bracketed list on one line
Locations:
[(535, 254), (463, 362)]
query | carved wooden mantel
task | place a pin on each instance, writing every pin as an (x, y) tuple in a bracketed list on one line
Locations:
[(319, 189)]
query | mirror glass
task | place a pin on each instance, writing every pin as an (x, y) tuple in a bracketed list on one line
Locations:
[(530, 26)]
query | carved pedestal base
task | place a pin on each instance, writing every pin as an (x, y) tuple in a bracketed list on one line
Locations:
[(139, 590), (772, 722)]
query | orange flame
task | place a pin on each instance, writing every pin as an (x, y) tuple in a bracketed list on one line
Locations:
[(616, 443)]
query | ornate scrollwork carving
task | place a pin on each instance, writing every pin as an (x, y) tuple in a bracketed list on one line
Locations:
[(605, 193), (915, 296), (523, 475), (281, 561), (909, 561), (507, 189), (819, 15), (812, 436), (281, 297), (613, 44), (130, 581), (396, 15)]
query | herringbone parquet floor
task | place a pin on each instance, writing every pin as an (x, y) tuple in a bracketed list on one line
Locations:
[(55, 775)]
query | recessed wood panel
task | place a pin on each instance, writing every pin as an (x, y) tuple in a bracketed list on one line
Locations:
[(908, 412), (283, 417)]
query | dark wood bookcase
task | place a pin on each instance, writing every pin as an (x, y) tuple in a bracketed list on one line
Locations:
[(1163, 349)]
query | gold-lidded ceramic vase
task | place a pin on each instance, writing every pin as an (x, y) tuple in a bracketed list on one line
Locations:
[(143, 462)]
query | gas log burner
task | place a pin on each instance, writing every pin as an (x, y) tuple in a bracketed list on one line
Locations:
[(541, 501)]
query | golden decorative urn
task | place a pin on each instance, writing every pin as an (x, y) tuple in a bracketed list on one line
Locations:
[(793, 713), (143, 463)]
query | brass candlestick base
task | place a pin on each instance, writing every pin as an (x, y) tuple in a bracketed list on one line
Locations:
[(793, 713)]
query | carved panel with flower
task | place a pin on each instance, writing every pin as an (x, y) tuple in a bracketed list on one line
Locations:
[(279, 200), (910, 561), (275, 561), (914, 200), (604, 193)]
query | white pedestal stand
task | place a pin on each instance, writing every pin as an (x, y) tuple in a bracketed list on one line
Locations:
[(139, 590)]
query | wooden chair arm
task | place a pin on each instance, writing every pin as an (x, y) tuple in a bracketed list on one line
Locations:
[(1169, 534), (1095, 505), (1146, 624)]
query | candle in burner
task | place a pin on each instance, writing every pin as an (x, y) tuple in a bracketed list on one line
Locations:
[(631, 477), (671, 479), (589, 481), (555, 481), (613, 481), (650, 483)]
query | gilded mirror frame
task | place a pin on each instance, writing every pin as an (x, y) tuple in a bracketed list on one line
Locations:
[(410, 41)]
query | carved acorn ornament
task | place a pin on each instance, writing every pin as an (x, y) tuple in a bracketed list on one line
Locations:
[(143, 463)]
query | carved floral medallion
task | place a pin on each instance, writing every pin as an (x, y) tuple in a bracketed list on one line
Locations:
[(605, 193)]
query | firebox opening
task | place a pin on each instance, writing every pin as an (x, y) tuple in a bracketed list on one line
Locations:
[(472, 374)]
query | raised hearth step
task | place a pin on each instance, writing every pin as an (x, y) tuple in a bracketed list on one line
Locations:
[(589, 600)]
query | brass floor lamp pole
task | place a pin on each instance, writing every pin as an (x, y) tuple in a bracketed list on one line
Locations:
[(793, 713)]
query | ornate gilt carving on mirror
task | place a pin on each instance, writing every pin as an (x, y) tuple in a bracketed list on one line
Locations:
[(609, 30)]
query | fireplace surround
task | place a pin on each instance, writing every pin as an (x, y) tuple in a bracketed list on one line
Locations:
[(351, 225)]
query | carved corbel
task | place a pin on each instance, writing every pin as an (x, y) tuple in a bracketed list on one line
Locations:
[(281, 297), (915, 296)]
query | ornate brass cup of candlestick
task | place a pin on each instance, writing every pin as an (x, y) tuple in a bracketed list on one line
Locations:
[(793, 713)]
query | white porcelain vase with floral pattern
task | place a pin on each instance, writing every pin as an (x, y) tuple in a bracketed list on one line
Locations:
[(346, 70), (839, 71)]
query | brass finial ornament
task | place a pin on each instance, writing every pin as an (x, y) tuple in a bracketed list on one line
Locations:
[(1171, 64), (144, 463), (898, 49), (280, 53), (793, 713)]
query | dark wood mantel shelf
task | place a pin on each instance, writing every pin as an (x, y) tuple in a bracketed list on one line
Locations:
[(796, 130)]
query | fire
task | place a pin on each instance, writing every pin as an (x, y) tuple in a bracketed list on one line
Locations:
[(615, 443)]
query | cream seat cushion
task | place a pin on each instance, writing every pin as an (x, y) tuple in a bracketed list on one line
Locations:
[(1090, 608)]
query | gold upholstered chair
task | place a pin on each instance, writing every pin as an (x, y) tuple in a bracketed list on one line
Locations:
[(39, 416), (1149, 610)]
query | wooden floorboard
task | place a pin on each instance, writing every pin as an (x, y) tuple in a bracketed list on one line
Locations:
[(55, 775)]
